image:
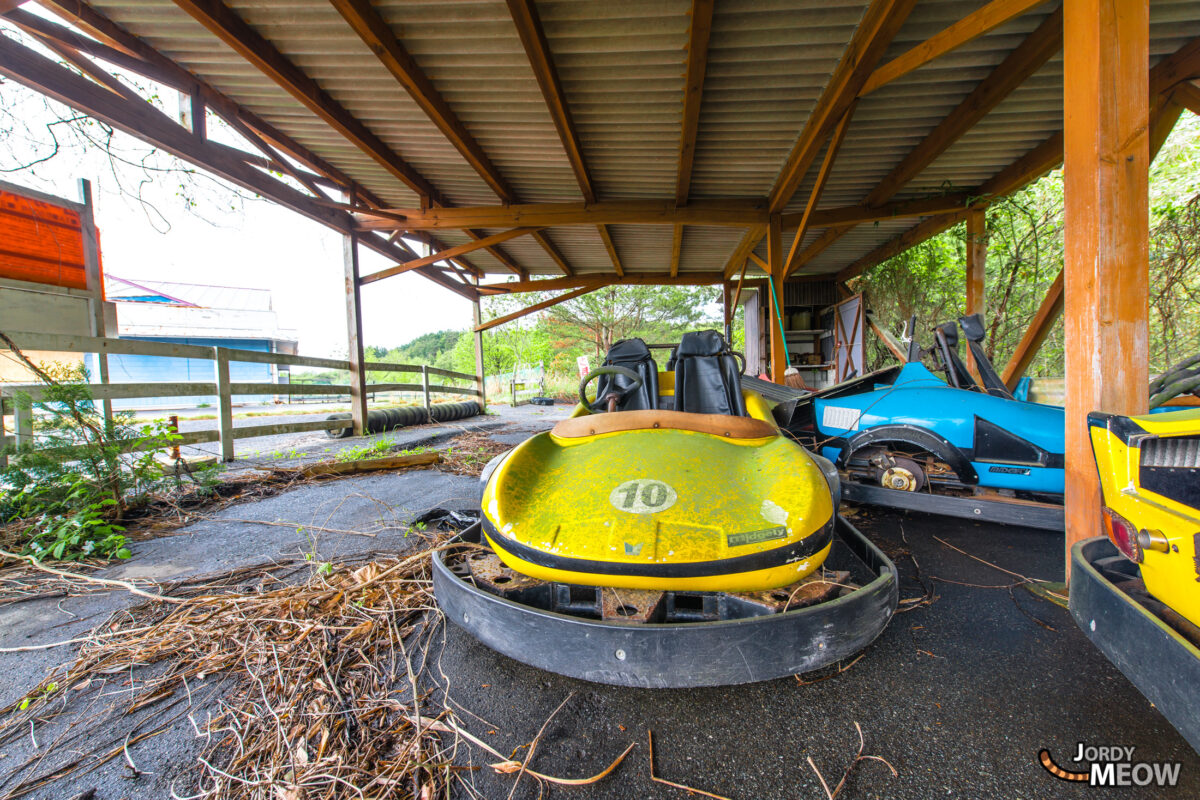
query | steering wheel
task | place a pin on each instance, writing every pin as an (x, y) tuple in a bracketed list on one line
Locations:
[(611, 398), (740, 358)]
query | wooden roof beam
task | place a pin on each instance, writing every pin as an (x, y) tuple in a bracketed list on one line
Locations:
[(537, 50), (231, 29), (119, 47), (1037, 162), (744, 249), (814, 197), (727, 213), (1188, 96), (593, 279), (699, 30), (693, 92), (1027, 58), (447, 254), (970, 27), (145, 122), (553, 301), (857, 215), (676, 249), (381, 40), (879, 25)]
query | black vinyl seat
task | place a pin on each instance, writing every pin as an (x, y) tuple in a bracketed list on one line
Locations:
[(707, 379), (946, 336), (631, 354), (973, 330)]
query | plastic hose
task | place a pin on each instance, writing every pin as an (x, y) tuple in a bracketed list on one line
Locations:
[(387, 419), (787, 357)]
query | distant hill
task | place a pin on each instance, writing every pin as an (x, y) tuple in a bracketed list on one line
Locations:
[(428, 348)]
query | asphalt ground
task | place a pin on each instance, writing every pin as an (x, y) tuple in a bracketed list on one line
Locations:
[(959, 694)]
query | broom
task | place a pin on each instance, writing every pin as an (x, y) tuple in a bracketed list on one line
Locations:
[(793, 379), (791, 375)]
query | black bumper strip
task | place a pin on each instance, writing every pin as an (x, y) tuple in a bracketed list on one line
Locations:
[(796, 551)]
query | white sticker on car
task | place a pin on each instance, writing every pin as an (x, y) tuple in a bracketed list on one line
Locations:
[(845, 419), (643, 496)]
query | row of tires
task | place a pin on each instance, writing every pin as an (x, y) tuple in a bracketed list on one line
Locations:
[(385, 419)]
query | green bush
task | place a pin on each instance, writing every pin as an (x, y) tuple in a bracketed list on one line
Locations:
[(64, 496)]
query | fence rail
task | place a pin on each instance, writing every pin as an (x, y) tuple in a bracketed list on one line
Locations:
[(15, 399)]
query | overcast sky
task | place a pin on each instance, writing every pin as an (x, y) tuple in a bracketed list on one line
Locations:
[(225, 241)]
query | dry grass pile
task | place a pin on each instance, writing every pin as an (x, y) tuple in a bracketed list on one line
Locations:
[(323, 699)]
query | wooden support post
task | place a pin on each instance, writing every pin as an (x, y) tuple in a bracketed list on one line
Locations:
[(358, 375), (775, 299), (977, 247), (425, 390), (480, 377), (1106, 190), (224, 402), (94, 280)]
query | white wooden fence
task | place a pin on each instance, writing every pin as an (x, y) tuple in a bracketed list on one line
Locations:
[(14, 398)]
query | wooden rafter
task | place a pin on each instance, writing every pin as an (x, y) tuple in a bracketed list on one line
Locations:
[(552, 250), (226, 25), (699, 30), (537, 50), (1027, 58), (553, 301), (745, 247), (121, 48), (732, 213), (142, 120), (693, 91), (611, 248), (814, 197), (970, 27), (676, 249), (595, 280), (880, 23), (857, 215), (448, 253), (231, 29), (1037, 162), (382, 41), (1188, 96), (875, 31)]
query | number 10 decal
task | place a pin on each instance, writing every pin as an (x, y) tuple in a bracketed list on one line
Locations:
[(643, 496)]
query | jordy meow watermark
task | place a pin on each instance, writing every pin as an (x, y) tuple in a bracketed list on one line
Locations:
[(1113, 766)]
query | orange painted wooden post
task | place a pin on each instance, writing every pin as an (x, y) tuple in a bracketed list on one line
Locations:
[(1107, 154), (775, 305), (976, 262)]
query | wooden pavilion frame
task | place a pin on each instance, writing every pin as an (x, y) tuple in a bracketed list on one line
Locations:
[(1118, 110)]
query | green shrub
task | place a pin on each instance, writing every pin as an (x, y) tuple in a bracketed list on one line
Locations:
[(64, 496)]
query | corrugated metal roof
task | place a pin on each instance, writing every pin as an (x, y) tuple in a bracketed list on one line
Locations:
[(622, 67)]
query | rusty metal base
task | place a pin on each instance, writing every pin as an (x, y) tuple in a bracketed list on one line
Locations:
[(672, 639)]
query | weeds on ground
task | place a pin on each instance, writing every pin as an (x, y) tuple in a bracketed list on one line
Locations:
[(376, 449), (64, 495)]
